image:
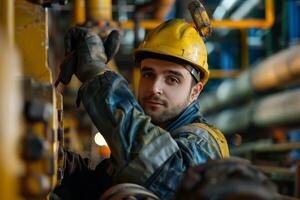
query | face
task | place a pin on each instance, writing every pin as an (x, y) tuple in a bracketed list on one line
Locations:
[(165, 90)]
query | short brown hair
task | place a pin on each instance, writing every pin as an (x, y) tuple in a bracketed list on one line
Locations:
[(196, 74)]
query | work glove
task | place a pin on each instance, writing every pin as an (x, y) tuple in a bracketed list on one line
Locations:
[(86, 55)]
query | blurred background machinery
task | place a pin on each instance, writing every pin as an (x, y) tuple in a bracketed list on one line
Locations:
[(253, 94)]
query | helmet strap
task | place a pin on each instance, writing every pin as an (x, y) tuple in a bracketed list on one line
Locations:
[(195, 74)]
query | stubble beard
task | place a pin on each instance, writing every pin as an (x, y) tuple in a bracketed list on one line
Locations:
[(164, 116)]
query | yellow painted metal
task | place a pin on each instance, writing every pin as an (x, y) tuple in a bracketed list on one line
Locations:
[(251, 23), (241, 24), (59, 165), (7, 20), (79, 11), (53, 140), (10, 124), (146, 24), (98, 10), (223, 73), (244, 48), (31, 35)]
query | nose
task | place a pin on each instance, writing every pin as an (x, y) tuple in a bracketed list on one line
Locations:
[(157, 87)]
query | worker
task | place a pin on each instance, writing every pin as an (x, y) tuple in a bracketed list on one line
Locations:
[(154, 138)]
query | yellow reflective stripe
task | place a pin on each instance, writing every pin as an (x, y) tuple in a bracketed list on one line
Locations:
[(218, 136)]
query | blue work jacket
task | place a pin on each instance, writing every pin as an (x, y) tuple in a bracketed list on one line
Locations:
[(142, 152)]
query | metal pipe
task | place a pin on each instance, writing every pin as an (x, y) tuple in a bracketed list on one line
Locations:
[(241, 24), (278, 70), (224, 8), (277, 110), (279, 147), (229, 92), (98, 10), (79, 11), (297, 179), (232, 24), (7, 20), (264, 146), (244, 49), (244, 9), (217, 73), (162, 8)]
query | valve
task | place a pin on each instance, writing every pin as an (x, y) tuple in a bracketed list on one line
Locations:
[(35, 186), (37, 110), (34, 147)]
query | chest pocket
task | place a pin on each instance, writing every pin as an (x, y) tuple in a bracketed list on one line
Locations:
[(215, 133)]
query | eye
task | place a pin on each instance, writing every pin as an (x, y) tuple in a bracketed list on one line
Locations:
[(171, 80), (148, 75)]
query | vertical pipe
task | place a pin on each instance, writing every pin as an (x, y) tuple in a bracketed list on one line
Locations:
[(284, 26), (98, 10), (226, 59), (79, 11), (7, 20), (245, 52), (293, 21), (297, 180), (269, 12)]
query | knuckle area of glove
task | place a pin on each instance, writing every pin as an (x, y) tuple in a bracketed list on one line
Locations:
[(96, 49)]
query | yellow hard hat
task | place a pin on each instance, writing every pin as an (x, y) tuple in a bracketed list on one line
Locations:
[(179, 39)]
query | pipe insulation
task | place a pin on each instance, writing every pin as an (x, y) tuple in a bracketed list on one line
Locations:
[(277, 71)]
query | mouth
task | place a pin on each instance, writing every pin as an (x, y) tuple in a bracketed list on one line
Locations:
[(154, 103)]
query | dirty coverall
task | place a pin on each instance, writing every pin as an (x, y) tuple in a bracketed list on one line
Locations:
[(141, 152)]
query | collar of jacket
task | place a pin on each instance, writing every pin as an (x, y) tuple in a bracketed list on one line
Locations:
[(189, 115)]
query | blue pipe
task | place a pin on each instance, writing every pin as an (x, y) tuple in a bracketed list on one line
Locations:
[(293, 7)]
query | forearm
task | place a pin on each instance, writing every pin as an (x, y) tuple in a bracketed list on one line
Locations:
[(132, 138)]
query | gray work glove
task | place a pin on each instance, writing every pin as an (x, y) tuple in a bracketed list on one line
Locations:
[(86, 55)]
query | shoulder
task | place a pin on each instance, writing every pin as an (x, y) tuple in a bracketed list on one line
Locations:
[(193, 129), (203, 134), (192, 133)]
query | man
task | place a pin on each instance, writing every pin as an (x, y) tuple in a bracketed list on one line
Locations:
[(154, 142)]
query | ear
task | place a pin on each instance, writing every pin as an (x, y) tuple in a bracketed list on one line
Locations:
[(196, 90)]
